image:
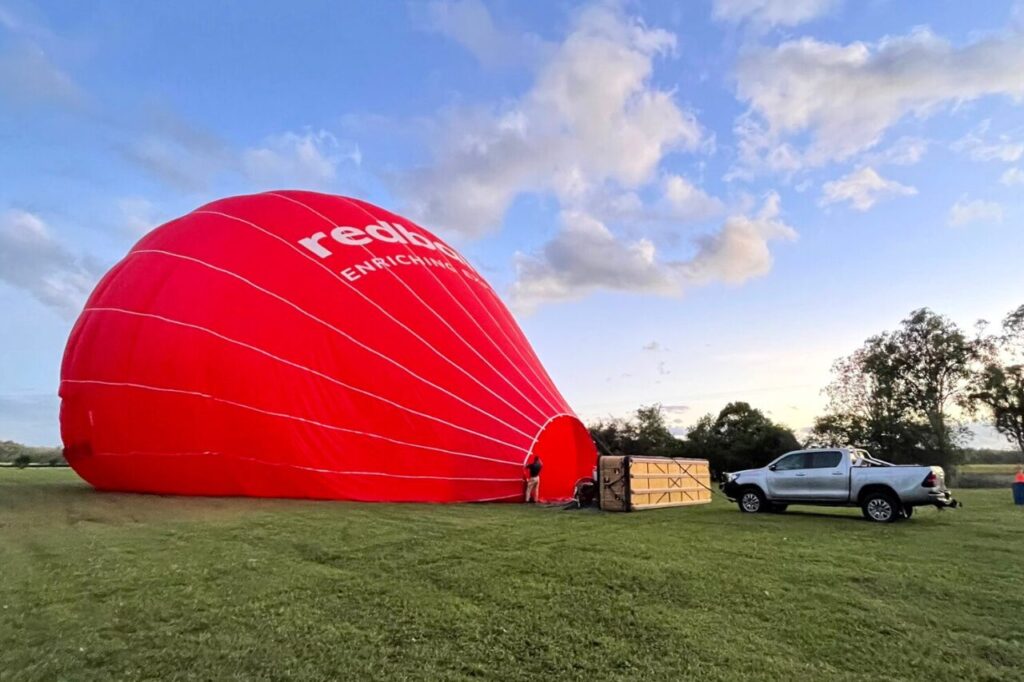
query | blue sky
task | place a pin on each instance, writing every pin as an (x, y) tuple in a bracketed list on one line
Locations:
[(683, 203)]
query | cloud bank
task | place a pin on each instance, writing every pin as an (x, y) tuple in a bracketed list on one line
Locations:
[(591, 120), (585, 256), (592, 132), (845, 97)]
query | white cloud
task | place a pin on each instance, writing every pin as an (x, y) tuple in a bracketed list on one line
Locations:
[(905, 151), (1005, 151), (470, 24), (305, 160), (739, 251), (964, 212), (186, 157), (687, 202), (585, 256), (771, 12), (758, 149), (680, 202), (979, 148), (1012, 176), (862, 189), (31, 259), (845, 97), (591, 124)]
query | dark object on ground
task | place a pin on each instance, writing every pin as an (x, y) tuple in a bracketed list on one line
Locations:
[(1018, 493), (585, 494)]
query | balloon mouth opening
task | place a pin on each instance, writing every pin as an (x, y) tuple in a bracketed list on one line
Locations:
[(568, 455)]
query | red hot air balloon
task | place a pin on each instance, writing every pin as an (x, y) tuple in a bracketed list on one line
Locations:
[(295, 344)]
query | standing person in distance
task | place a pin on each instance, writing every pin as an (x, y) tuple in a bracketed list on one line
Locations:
[(533, 478)]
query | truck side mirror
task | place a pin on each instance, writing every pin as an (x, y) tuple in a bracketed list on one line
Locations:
[(771, 468)]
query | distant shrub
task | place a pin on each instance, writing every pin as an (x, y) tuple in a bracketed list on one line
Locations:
[(978, 456)]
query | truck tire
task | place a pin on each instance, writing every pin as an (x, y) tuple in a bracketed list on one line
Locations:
[(751, 501), (881, 506)]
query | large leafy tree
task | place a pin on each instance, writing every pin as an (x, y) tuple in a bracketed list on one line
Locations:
[(646, 434), (740, 437), (999, 385), (898, 394)]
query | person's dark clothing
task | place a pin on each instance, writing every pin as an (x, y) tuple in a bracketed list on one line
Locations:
[(534, 467)]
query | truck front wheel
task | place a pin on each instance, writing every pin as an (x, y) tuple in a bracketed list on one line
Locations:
[(880, 507), (751, 501)]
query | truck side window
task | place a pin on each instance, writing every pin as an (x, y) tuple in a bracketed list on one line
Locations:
[(794, 461), (826, 460)]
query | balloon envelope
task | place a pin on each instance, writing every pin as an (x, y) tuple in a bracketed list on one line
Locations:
[(295, 344)]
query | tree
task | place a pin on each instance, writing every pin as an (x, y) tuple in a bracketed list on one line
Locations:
[(866, 408), (999, 385), (740, 437), (22, 461), (14, 452), (935, 361), (895, 395), (645, 434)]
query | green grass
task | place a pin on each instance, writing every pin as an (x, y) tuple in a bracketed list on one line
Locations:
[(103, 586)]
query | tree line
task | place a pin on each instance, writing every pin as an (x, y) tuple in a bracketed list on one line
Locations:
[(16, 454), (905, 396)]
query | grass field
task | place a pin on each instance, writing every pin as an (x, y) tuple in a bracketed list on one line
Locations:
[(103, 586), (985, 475), (1008, 469)]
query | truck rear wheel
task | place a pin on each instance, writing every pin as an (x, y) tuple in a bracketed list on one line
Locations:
[(881, 507), (751, 501)]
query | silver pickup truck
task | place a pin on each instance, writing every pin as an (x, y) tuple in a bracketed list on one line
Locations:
[(845, 477)]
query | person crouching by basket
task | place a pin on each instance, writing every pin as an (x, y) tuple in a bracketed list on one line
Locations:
[(533, 478)]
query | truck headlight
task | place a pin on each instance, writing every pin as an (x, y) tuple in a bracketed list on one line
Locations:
[(729, 478)]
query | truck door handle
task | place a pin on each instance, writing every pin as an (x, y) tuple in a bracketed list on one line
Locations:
[(837, 473), (801, 474)]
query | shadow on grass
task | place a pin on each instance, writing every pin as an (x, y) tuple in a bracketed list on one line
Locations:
[(821, 513)]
